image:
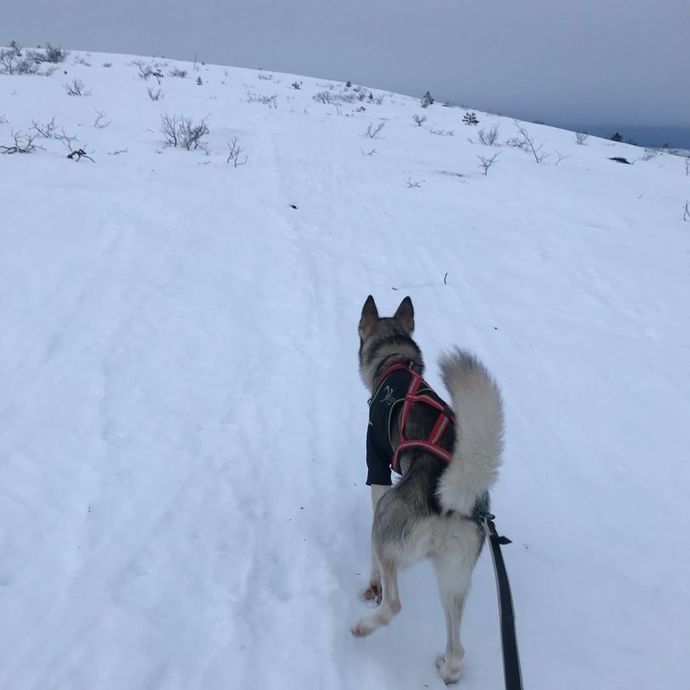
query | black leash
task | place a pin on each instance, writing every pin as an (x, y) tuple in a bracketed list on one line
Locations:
[(511, 658)]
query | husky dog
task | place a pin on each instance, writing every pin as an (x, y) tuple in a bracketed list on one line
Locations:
[(434, 510)]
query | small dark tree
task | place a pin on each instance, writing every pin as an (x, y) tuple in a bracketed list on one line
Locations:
[(617, 137), (470, 119), (427, 100)]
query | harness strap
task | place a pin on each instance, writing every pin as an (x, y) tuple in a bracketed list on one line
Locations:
[(431, 445), (511, 658), (415, 383), (440, 426), (395, 367), (436, 450)]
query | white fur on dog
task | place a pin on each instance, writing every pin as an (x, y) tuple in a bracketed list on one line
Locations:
[(479, 431)]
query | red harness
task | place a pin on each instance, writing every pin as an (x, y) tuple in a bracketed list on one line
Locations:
[(445, 417)]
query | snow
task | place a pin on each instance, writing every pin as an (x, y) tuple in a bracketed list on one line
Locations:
[(182, 499)]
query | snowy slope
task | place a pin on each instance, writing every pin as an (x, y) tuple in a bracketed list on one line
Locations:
[(182, 499)]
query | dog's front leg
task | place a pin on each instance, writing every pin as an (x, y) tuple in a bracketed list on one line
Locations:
[(373, 592)]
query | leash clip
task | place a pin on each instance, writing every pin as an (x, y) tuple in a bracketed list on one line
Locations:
[(488, 518)]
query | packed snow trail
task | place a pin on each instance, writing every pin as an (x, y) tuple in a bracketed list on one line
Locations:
[(182, 499)]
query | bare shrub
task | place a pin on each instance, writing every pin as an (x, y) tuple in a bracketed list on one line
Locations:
[(374, 130), (518, 143), (265, 76), (686, 212), (100, 121), (154, 95), (176, 72), (107, 64), (67, 139), (419, 121), (355, 96), (648, 154), (55, 54), (485, 162), (322, 97), (427, 100), (687, 165), (22, 143), (76, 88), (358, 94), (414, 184), (488, 137), (270, 101), (182, 132), (363, 94), (236, 155), (370, 152), (581, 138), (13, 62), (144, 70), (442, 132), (560, 157), (527, 143), (79, 60), (47, 130), (15, 49)]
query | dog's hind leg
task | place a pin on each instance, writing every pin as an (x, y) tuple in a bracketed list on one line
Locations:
[(453, 582), (390, 604)]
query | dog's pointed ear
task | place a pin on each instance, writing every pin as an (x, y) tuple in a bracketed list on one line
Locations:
[(405, 315), (370, 317)]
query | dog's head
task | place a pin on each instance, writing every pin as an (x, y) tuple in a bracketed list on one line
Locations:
[(385, 339)]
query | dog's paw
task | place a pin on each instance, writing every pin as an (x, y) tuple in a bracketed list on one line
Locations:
[(373, 593), (363, 627), (449, 669)]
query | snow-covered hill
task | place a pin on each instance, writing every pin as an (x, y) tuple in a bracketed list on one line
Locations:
[(182, 499)]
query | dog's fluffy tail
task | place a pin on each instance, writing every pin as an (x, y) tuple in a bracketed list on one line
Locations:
[(479, 431)]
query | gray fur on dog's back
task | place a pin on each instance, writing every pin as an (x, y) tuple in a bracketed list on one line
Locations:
[(479, 432)]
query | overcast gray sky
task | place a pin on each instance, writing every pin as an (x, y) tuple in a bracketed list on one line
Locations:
[(617, 62)]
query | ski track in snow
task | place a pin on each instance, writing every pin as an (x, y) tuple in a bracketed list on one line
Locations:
[(182, 499)]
